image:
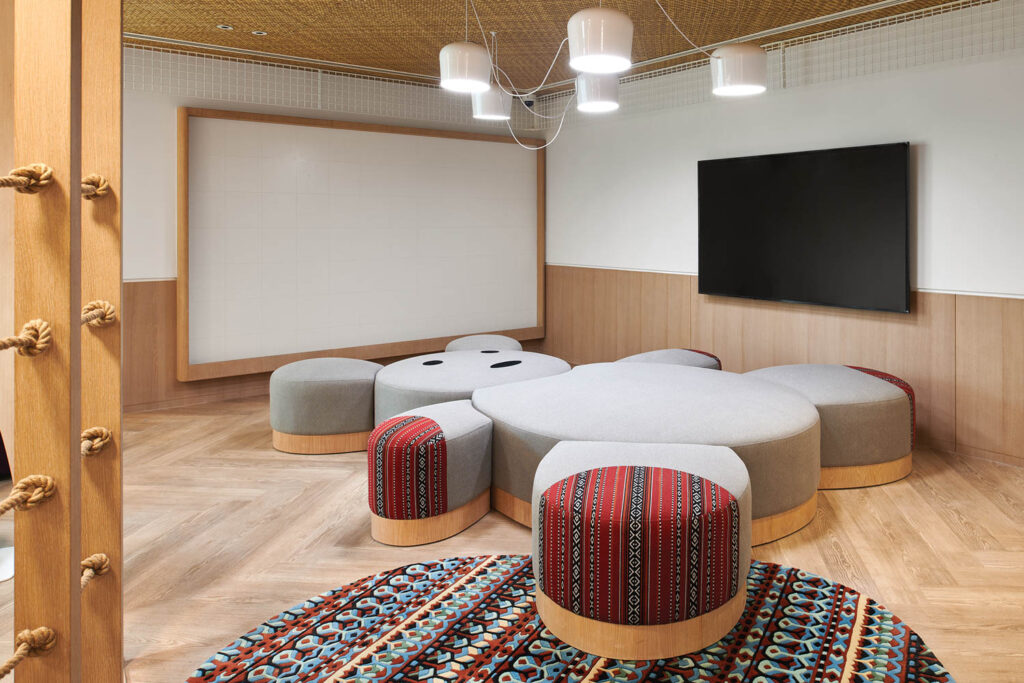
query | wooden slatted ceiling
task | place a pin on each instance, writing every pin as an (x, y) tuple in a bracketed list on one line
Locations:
[(406, 36)]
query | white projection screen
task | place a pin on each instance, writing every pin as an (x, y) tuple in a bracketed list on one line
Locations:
[(301, 237)]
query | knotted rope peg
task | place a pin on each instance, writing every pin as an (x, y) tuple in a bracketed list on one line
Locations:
[(28, 179), (98, 313), (93, 566), (28, 493), (94, 439), (29, 643), (94, 186), (35, 338)]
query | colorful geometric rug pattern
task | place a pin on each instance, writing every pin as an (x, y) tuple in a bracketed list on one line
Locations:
[(473, 619)]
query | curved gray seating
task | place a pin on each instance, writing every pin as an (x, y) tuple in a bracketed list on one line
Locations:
[(688, 357), (479, 342), (864, 420), (323, 396), (774, 430), (454, 375)]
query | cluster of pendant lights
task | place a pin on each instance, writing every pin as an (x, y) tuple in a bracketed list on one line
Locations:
[(600, 47)]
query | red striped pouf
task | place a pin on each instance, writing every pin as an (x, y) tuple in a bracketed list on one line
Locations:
[(639, 561)]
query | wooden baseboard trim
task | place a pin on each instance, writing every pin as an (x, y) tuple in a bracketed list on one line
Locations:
[(773, 527), (982, 454), (858, 476), (661, 641), (516, 509), (406, 532), (320, 444)]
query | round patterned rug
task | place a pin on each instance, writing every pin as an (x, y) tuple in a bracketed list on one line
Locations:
[(473, 619)]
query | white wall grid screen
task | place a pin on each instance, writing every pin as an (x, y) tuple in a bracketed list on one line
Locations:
[(304, 238)]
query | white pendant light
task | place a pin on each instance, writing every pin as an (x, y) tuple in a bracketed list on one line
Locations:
[(596, 93), (738, 70), (600, 41), (492, 105), (465, 67)]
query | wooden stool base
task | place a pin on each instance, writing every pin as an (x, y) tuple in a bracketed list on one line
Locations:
[(320, 444), (857, 476), (773, 527), (515, 509), (404, 532), (661, 641)]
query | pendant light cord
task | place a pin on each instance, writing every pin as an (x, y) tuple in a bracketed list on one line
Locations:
[(553, 137), (680, 31)]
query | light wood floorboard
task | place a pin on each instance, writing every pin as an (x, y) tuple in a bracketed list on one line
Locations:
[(222, 531)]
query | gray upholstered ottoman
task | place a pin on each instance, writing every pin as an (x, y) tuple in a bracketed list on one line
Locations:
[(690, 357), (454, 375), (773, 429), (480, 342), (322, 405), (640, 551), (867, 421), (429, 473)]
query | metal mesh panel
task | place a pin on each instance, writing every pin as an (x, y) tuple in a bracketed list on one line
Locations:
[(956, 31)]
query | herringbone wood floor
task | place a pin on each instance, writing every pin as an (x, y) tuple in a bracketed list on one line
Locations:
[(221, 532)]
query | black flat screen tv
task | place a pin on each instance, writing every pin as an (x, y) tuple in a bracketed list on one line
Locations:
[(827, 227)]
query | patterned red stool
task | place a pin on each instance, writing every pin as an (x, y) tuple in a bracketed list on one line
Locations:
[(429, 473), (641, 551)]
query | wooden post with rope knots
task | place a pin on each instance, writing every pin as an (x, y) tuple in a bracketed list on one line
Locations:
[(28, 493), (93, 566), (35, 338), (94, 439), (94, 186), (98, 313), (28, 179), (29, 643)]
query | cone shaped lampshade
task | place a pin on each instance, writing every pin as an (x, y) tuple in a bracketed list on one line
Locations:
[(492, 105), (600, 41), (596, 93), (465, 67), (738, 70)]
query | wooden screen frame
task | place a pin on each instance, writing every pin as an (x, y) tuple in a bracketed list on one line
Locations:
[(189, 372)]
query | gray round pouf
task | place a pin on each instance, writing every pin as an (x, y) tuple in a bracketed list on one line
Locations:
[(688, 357), (867, 422), (480, 342), (774, 430), (453, 376), (322, 405)]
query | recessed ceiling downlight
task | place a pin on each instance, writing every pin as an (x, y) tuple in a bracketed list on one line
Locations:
[(225, 27), (259, 33)]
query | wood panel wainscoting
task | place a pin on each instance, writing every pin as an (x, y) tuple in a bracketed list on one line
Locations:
[(962, 354)]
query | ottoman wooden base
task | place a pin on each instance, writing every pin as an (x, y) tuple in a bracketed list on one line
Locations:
[(403, 532), (773, 527), (857, 476), (320, 444), (515, 509), (661, 641)]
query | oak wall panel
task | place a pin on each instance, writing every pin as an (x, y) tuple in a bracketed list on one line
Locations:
[(990, 377)]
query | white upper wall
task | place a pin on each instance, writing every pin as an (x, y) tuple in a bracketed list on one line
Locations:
[(623, 193)]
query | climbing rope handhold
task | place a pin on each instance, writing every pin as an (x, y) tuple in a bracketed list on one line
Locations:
[(28, 179), (29, 643), (35, 338), (98, 313), (94, 186), (94, 439), (28, 493), (93, 566)]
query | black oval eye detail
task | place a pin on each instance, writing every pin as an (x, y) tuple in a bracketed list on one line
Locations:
[(506, 364), (489, 351), (433, 362)]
